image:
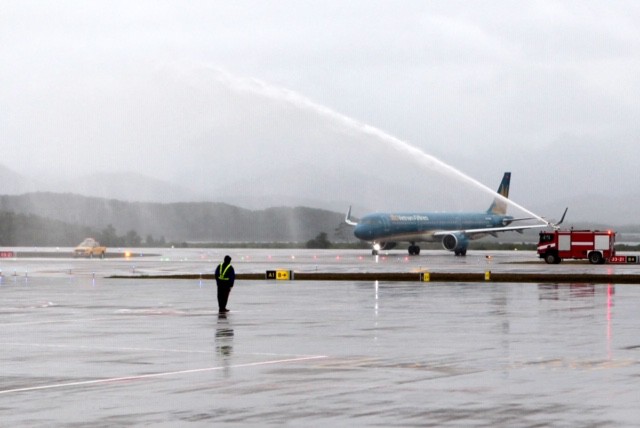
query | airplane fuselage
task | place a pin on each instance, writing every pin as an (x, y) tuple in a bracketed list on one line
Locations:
[(415, 227), (453, 229)]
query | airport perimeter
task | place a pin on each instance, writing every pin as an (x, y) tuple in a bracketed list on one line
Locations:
[(80, 348)]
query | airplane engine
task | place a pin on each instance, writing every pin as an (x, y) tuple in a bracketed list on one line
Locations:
[(455, 242)]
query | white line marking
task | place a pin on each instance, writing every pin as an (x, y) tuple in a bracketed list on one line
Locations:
[(154, 375), (106, 348), (132, 348), (67, 320)]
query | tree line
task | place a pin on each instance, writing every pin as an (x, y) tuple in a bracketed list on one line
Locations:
[(187, 221), (26, 230)]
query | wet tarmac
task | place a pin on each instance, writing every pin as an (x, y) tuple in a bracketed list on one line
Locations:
[(79, 348)]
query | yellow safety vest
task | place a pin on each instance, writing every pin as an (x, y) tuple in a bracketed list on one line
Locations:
[(222, 273)]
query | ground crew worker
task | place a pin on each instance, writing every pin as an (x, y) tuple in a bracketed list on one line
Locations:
[(225, 276)]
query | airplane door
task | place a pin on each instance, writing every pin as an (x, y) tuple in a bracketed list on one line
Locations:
[(386, 224)]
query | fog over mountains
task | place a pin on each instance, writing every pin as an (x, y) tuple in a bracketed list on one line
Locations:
[(185, 133), (259, 194), (60, 219), (327, 105)]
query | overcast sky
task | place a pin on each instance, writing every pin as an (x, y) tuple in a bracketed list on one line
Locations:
[(174, 90)]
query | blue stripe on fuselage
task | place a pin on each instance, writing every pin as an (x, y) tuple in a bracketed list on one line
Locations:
[(419, 226)]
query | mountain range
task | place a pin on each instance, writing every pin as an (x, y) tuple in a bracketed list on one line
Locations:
[(180, 221), (132, 201)]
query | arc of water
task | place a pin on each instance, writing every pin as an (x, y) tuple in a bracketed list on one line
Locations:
[(261, 88)]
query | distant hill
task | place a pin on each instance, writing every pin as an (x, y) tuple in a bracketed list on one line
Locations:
[(12, 182), (126, 186), (62, 219), (177, 222), (322, 188)]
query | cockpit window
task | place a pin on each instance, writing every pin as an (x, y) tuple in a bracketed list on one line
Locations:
[(545, 237), (371, 221)]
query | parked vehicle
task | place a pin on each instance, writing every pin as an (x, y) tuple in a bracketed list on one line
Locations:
[(90, 248), (595, 245)]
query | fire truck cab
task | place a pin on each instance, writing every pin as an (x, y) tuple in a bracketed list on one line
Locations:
[(594, 245)]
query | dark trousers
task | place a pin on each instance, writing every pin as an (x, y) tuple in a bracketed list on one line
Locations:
[(223, 296)]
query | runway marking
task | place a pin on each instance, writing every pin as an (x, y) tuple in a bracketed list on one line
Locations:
[(156, 375), (106, 348), (68, 320), (116, 316), (133, 348)]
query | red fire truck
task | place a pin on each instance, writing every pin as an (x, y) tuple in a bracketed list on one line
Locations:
[(595, 245)]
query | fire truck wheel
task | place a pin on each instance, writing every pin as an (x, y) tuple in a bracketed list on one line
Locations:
[(551, 258), (595, 258)]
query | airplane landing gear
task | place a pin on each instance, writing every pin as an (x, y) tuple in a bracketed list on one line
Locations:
[(461, 252), (376, 248), (414, 250)]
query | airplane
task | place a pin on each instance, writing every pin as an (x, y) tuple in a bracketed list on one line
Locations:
[(453, 229)]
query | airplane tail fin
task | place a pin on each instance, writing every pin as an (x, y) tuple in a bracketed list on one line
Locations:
[(499, 206)]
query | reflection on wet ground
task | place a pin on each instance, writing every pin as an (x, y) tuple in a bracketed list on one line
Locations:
[(84, 349)]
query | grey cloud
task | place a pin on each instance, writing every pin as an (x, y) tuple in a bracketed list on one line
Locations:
[(492, 86)]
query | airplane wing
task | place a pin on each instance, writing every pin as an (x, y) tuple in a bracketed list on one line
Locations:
[(493, 230), (487, 230)]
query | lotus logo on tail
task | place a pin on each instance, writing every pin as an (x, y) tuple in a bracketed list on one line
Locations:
[(499, 205)]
